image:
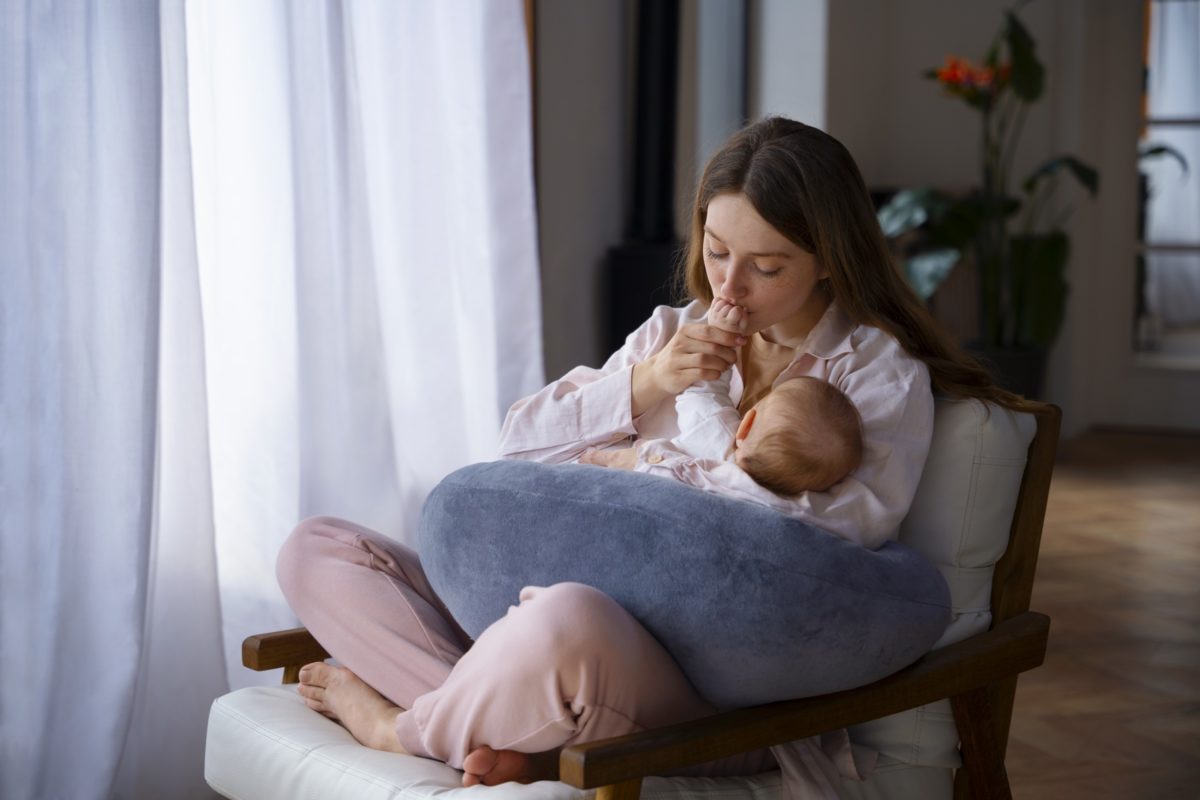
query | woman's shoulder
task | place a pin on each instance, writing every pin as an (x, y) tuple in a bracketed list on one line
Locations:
[(875, 350), (839, 337)]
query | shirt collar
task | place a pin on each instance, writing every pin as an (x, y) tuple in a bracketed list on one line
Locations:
[(831, 336)]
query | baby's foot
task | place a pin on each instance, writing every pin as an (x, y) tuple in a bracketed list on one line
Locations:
[(491, 767), (727, 316), (341, 695)]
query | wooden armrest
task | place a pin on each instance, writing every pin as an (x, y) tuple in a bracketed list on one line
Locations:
[(1013, 646), (288, 649)]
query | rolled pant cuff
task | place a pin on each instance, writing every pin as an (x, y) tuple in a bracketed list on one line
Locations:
[(408, 731)]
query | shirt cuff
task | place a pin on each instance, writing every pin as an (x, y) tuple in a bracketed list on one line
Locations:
[(606, 406), (657, 456)]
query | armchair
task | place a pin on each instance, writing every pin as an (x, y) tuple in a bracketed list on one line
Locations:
[(978, 515)]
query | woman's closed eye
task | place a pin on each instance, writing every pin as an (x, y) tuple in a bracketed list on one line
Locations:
[(766, 272)]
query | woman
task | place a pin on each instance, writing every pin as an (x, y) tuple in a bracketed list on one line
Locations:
[(783, 227)]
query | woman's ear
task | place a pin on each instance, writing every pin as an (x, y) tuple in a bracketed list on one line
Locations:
[(747, 423)]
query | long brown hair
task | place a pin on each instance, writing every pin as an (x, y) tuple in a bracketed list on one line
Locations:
[(805, 184)]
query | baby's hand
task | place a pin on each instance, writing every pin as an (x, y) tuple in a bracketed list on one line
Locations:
[(727, 316), (624, 458)]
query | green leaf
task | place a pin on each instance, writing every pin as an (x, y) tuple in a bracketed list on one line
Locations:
[(1028, 75), (1082, 172), (926, 271), (960, 222), (910, 209), (958, 225), (1158, 150), (1039, 286)]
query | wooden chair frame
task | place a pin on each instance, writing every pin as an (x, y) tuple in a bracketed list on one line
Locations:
[(979, 675)]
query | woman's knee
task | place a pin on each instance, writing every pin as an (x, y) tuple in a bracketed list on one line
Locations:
[(573, 621), (300, 554)]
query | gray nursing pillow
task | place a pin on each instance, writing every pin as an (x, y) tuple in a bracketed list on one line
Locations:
[(754, 606)]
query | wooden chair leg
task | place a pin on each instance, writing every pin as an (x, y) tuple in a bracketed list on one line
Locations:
[(983, 775), (625, 790)]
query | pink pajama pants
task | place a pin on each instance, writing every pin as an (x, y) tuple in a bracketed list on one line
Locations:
[(568, 664)]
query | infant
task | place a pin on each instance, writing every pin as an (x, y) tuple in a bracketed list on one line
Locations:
[(805, 435)]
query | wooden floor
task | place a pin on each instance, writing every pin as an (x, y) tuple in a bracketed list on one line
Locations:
[(1115, 710)]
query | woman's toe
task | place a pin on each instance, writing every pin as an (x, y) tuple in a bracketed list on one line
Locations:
[(479, 762)]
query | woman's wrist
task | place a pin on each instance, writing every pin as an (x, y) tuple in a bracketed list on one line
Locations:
[(644, 391)]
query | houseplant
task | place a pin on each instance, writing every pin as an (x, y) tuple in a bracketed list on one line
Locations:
[(1016, 241)]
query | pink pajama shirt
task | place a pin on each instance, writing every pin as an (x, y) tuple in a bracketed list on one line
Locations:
[(590, 409), (568, 664)]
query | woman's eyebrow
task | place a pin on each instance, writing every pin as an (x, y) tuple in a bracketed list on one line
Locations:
[(781, 254)]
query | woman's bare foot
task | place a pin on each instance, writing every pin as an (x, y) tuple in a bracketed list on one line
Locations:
[(341, 695), (490, 767)]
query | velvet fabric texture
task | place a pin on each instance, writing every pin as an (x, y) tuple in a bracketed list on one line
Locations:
[(753, 605)]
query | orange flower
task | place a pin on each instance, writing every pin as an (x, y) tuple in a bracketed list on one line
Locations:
[(971, 81), (955, 72)]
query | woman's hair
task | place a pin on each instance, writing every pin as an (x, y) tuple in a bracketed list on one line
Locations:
[(805, 184)]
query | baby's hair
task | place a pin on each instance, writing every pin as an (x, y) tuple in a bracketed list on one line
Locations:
[(813, 442)]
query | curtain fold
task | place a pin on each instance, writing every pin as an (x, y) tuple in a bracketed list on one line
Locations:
[(182, 667), (261, 261), (79, 145)]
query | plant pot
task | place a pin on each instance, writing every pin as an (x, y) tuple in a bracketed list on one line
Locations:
[(1019, 370)]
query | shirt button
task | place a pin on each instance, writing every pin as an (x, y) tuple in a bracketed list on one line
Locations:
[(654, 458)]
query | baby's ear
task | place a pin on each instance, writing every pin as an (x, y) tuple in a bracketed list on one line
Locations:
[(747, 423)]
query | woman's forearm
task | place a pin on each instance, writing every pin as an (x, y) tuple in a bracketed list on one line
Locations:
[(584, 408)]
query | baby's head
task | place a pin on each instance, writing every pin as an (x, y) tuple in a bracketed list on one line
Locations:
[(803, 436)]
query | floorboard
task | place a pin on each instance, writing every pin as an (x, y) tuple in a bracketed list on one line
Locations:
[(1115, 710)]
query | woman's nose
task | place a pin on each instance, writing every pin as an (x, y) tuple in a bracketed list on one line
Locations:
[(733, 286)]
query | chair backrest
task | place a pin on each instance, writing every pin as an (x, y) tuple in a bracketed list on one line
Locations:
[(978, 516), (978, 509)]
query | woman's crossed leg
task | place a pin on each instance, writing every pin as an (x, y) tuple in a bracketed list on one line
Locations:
[(568, 664)]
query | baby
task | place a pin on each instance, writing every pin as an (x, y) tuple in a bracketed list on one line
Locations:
[(805, 435)]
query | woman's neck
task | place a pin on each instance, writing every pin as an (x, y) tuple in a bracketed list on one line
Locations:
[(792, 331)]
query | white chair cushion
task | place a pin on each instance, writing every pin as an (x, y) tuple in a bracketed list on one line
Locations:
[(265, 744)]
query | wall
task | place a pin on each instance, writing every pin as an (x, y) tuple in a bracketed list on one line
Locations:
[(787, 44), (1097, 366), (901, 128), (582, 149)]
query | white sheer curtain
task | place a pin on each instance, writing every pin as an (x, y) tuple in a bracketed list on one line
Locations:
[(264, 260), (79, 110)]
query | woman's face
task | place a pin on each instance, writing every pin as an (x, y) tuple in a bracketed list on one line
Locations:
[(755, 266)]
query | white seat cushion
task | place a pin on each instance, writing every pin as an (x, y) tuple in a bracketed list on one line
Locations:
[(265, 744)]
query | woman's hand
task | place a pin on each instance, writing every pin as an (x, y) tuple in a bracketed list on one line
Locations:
[(697, 352), (625, 458)]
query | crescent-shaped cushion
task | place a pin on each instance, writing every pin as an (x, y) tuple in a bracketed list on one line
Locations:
[(753, 605)]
